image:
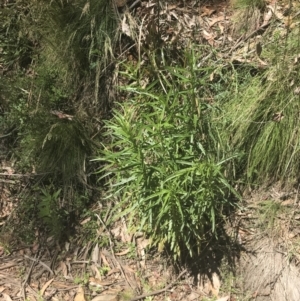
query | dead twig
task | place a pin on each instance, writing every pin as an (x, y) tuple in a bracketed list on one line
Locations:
[(160, 291), (28, 276), (9, 265), (41, 263)]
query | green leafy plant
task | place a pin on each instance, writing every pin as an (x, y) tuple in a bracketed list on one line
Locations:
[(49, 211), (84, 279), (104, 270), (167, 162)]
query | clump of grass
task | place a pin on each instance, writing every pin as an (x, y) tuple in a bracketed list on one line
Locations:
[(67, 75), (17, 41), (264, 119), (59, 57), (167, 162), (63, 147), (82, 42)]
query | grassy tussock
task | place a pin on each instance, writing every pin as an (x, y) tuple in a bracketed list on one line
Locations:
[(264, 120)]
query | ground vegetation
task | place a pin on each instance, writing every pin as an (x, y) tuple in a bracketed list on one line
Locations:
[(165, 132)]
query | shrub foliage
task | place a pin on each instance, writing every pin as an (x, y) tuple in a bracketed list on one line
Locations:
[(164, 164)]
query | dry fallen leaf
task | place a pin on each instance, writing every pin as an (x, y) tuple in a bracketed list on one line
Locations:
[(46, 286), (267, 17), (207, 11), (96, 282), (95, 254), (278, 116), (126, 28), (116, 231), (216, 284), (192, 296), (221, 27), (209, 37), (297, 90), (96, 271), (128, 269), (104, 260), (64, 268), (6, 297), (80, 295), (294, 24), (216, 20), (85, 221), (296, 59)]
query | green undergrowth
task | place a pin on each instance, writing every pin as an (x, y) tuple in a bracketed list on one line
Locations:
[(45, 211), (263, 118), (166, 160), (18, 42), (55, 62), (188, 132), (191, 124), (67, 48)]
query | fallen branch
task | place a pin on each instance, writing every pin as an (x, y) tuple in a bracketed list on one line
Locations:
[(38, 261)]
